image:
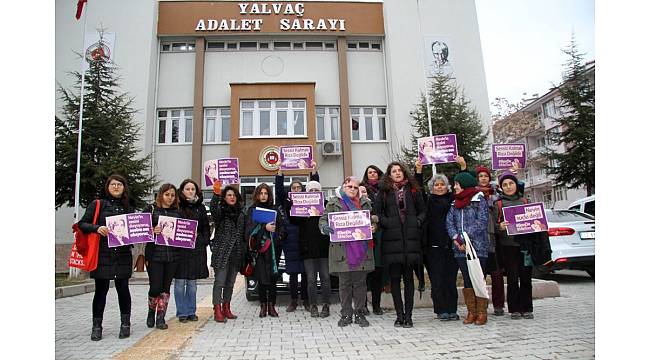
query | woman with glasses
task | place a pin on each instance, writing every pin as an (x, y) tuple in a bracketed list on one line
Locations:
[(399, 204), (351, 261), (113, 263)]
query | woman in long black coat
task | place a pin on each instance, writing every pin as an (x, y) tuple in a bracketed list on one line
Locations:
[(400, 207), (113, 263), (192, 263)]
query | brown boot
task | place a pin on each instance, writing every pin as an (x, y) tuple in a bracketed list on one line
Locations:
[(227, 312), (262, 310), (481, 311), (218, 313), (272, 311), (470, 301)]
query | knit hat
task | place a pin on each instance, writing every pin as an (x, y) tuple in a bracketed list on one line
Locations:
[(507, 175), (466, 180), (313, 185), (480, 169)]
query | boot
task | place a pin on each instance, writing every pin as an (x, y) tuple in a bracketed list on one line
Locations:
[(218, 314), (325, 312), (272, 312), (96, 333), (470, 301), (481, 311), (163, 301), (293, 305), (125, 327), (151, 316), (305, 303), (262, 309), (360, 318), (227, 312)]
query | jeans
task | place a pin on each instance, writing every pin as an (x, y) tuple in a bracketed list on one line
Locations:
[(318, 266), (185, 297), (101, 290), (442, 269), (397, 272), (462, 264), (352, 285), (224, 281)]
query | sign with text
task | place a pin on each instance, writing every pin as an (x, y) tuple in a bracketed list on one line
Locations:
[(525, 219), (306, 204), (438, 149), (176, 232), (129, 229), (350, 225), (228, 171), (504, 155), (295, 157)]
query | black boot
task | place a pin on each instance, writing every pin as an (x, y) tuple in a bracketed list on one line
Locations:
[(151, 316), (125, 327), (96, 333)]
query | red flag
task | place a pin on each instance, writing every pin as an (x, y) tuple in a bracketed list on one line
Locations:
[(80, 8)]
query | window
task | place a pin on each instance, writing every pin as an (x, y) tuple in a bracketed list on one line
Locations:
[(263, 45), (327, 123), (552, 134), (175, 126), (273, 118), (590, 207), (180, 46), (549, 108), (217, 126), (368, 123), (364, 46), (547, 199), (541, 141), (560, 193)]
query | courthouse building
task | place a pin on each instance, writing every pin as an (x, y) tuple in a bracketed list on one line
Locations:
[(216, 79)]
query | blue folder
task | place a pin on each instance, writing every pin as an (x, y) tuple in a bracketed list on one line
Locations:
[(263, 216)]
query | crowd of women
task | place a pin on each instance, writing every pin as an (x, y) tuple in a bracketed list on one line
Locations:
[(412, 225)]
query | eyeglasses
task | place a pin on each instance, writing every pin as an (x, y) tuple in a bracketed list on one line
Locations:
[(116, 184), (352, 187)]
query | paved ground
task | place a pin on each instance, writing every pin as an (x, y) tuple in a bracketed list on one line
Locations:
[(563, 328)]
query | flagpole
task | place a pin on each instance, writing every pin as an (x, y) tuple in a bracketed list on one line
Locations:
[(74, 272), (424, 72)]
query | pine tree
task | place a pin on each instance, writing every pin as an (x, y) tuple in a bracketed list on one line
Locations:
[(575, 167), (451, 113), (109, 139)]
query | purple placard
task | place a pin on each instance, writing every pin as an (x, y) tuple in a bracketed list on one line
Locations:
[(524, 219), (295, 157), (228, 171), (306, 204), (210, 172), (350, 225), (129, 229), (176, 232), (503, 155), (438, 149)]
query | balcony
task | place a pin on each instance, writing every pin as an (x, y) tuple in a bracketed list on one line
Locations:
[(537, 152)]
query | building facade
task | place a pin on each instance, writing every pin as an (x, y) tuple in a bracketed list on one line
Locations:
[(533, 125), (216, 79)]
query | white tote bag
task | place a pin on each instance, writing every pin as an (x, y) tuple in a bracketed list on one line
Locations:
[(474, 269)]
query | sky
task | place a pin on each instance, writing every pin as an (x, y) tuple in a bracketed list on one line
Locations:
[(522, 42)]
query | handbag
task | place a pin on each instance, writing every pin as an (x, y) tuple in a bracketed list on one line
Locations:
[(248, 265), (474, 269), (85, 248)]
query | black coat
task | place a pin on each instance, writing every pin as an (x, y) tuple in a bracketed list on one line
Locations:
[(112, 263), (228, 244), (401, 242), (435, 228), (312, 244), (193, 263), (161, 253), (263, 266)]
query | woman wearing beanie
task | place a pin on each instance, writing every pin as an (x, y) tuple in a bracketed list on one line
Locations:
[(442, 267), (350, 260), (227, 246), (400, 207), (192, 263), (516, 251), (265, 240), (469, 213), (495, 260)]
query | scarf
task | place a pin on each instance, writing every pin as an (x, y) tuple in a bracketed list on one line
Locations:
[(399, 198), (486, 190), (463, 199), (266, 242), (374, 184), (514, 197), (355, 251)]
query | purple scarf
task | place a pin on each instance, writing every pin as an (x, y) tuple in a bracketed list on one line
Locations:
[(355, 251)]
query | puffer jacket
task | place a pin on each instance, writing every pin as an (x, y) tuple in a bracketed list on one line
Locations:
[(228, 244), (115, 262), (290, 245), (161, 253), (313, 244), (337, 261), (401, 242), (473, 219), (193, 263)]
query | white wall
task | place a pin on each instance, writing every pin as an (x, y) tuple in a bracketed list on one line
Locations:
[(172, 163), (364, 154), (366, 78), (176, 80)]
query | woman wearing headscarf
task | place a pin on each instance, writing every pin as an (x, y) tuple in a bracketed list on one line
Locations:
[(469, 214), (400, 207), (351, 261)]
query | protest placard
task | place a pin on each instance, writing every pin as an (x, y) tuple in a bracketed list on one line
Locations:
[(350, 225), (295, 157), (503, 156), (306, 204), (129, 229), (176, 232), (525, 219), (228, 171), (438, 149)]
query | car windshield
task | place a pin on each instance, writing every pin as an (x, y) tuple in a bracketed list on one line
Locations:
[(566, 216)]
